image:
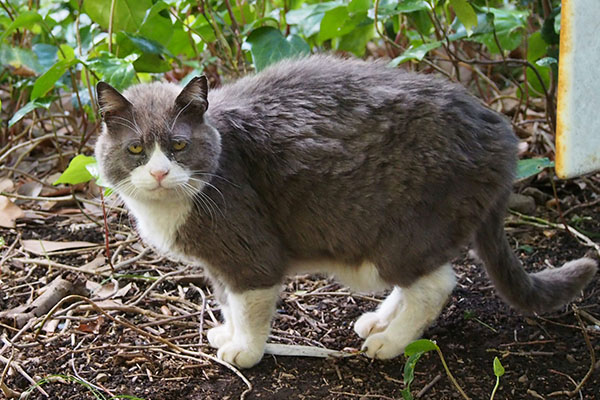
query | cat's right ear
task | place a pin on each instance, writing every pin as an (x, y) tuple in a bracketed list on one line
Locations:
[(111, 102)]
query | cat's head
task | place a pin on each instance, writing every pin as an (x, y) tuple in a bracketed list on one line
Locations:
[(155, 142)]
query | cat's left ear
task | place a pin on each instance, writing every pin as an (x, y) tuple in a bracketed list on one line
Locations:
[(194, 96)]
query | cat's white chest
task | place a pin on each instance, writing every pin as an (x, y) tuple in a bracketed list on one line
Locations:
[(158, 222)]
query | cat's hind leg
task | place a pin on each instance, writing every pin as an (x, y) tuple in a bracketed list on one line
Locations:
[(421, 303), (243, 342), (376, 321)]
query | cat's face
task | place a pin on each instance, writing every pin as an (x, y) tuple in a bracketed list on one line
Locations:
[(155, 144)]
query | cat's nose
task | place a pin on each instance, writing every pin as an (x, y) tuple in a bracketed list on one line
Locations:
[(159, 174)]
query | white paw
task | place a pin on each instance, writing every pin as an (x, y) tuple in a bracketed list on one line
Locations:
[(382, 346), (241, 354), (219, 335), (368, 324)]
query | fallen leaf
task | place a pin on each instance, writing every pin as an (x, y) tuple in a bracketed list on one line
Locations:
[(95, 265), (42, 247), (31, 189), (9, 213), (6, 185)]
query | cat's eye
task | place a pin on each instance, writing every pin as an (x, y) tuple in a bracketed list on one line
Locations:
[(135, 148), (179, 145)]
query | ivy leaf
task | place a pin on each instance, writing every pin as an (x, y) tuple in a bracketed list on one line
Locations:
[(118, 72), (46, 82), (267, 45), (26, 19), (546, 61), (532, 166), (128, 14), (29, 107), (465, 13), (415, 53), (77, 172)]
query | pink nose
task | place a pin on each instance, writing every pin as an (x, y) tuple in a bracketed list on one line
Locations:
[(160, 174)]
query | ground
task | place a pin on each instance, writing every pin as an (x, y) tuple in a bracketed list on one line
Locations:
[(542, 355)]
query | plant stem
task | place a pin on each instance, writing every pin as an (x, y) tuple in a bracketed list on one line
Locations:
[(495, 388), (454, 382), (110, 24)]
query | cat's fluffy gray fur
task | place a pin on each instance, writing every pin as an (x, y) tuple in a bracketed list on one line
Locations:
[(329, 160)]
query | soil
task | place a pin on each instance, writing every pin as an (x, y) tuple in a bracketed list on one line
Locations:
[(541, 355)]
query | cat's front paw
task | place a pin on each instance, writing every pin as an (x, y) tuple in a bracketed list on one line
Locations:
[(219, 335), (241, 354), (368, 324), (382, 346)]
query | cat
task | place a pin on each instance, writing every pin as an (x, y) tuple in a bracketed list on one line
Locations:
[(319, 164)]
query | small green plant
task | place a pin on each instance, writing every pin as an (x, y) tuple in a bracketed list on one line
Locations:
[(71, 379), (498, 371), (416, 349)]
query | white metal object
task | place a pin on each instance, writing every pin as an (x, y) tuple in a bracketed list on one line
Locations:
[(578, 119)]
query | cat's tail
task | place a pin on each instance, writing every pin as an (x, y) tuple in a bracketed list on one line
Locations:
[(530, 293)]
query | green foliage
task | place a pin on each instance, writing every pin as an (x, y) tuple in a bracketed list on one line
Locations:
[(532, 166), (267, 45), (498, 371), (77, 171)]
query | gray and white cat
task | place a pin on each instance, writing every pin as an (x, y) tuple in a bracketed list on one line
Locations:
[(376, 176)]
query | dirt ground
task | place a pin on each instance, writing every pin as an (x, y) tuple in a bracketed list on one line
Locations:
[(542, 356)]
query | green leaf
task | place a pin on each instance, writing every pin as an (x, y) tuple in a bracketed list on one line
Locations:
[(26, 19), (309, 17), (409, 369), (546, 61), (118, 72), (510, 26), (420, 346), (356, 41), (17, 57), (339, 22), (415, 53), (267, 45), (465, 13), (27, 108), (147, 45), (128, 14), (77, 172), (359, 5), (408, 6), (46, 82), (2, 242), (47, 54), (498, 368), (532, 166)]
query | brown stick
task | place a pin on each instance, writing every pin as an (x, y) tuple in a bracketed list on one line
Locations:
[(55, 291)]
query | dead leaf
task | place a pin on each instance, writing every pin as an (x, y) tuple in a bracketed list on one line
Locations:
[(6, 185), (31, 189), (93, 327), (95, 265), (42, 247), (9, 213), (112, 290)]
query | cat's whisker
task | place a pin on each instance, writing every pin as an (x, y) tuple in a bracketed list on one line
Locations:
[(199, 172), (209, 200), (210, 185)]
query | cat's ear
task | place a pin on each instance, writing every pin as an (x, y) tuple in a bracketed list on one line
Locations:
[(194, 96), (111, 102)]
